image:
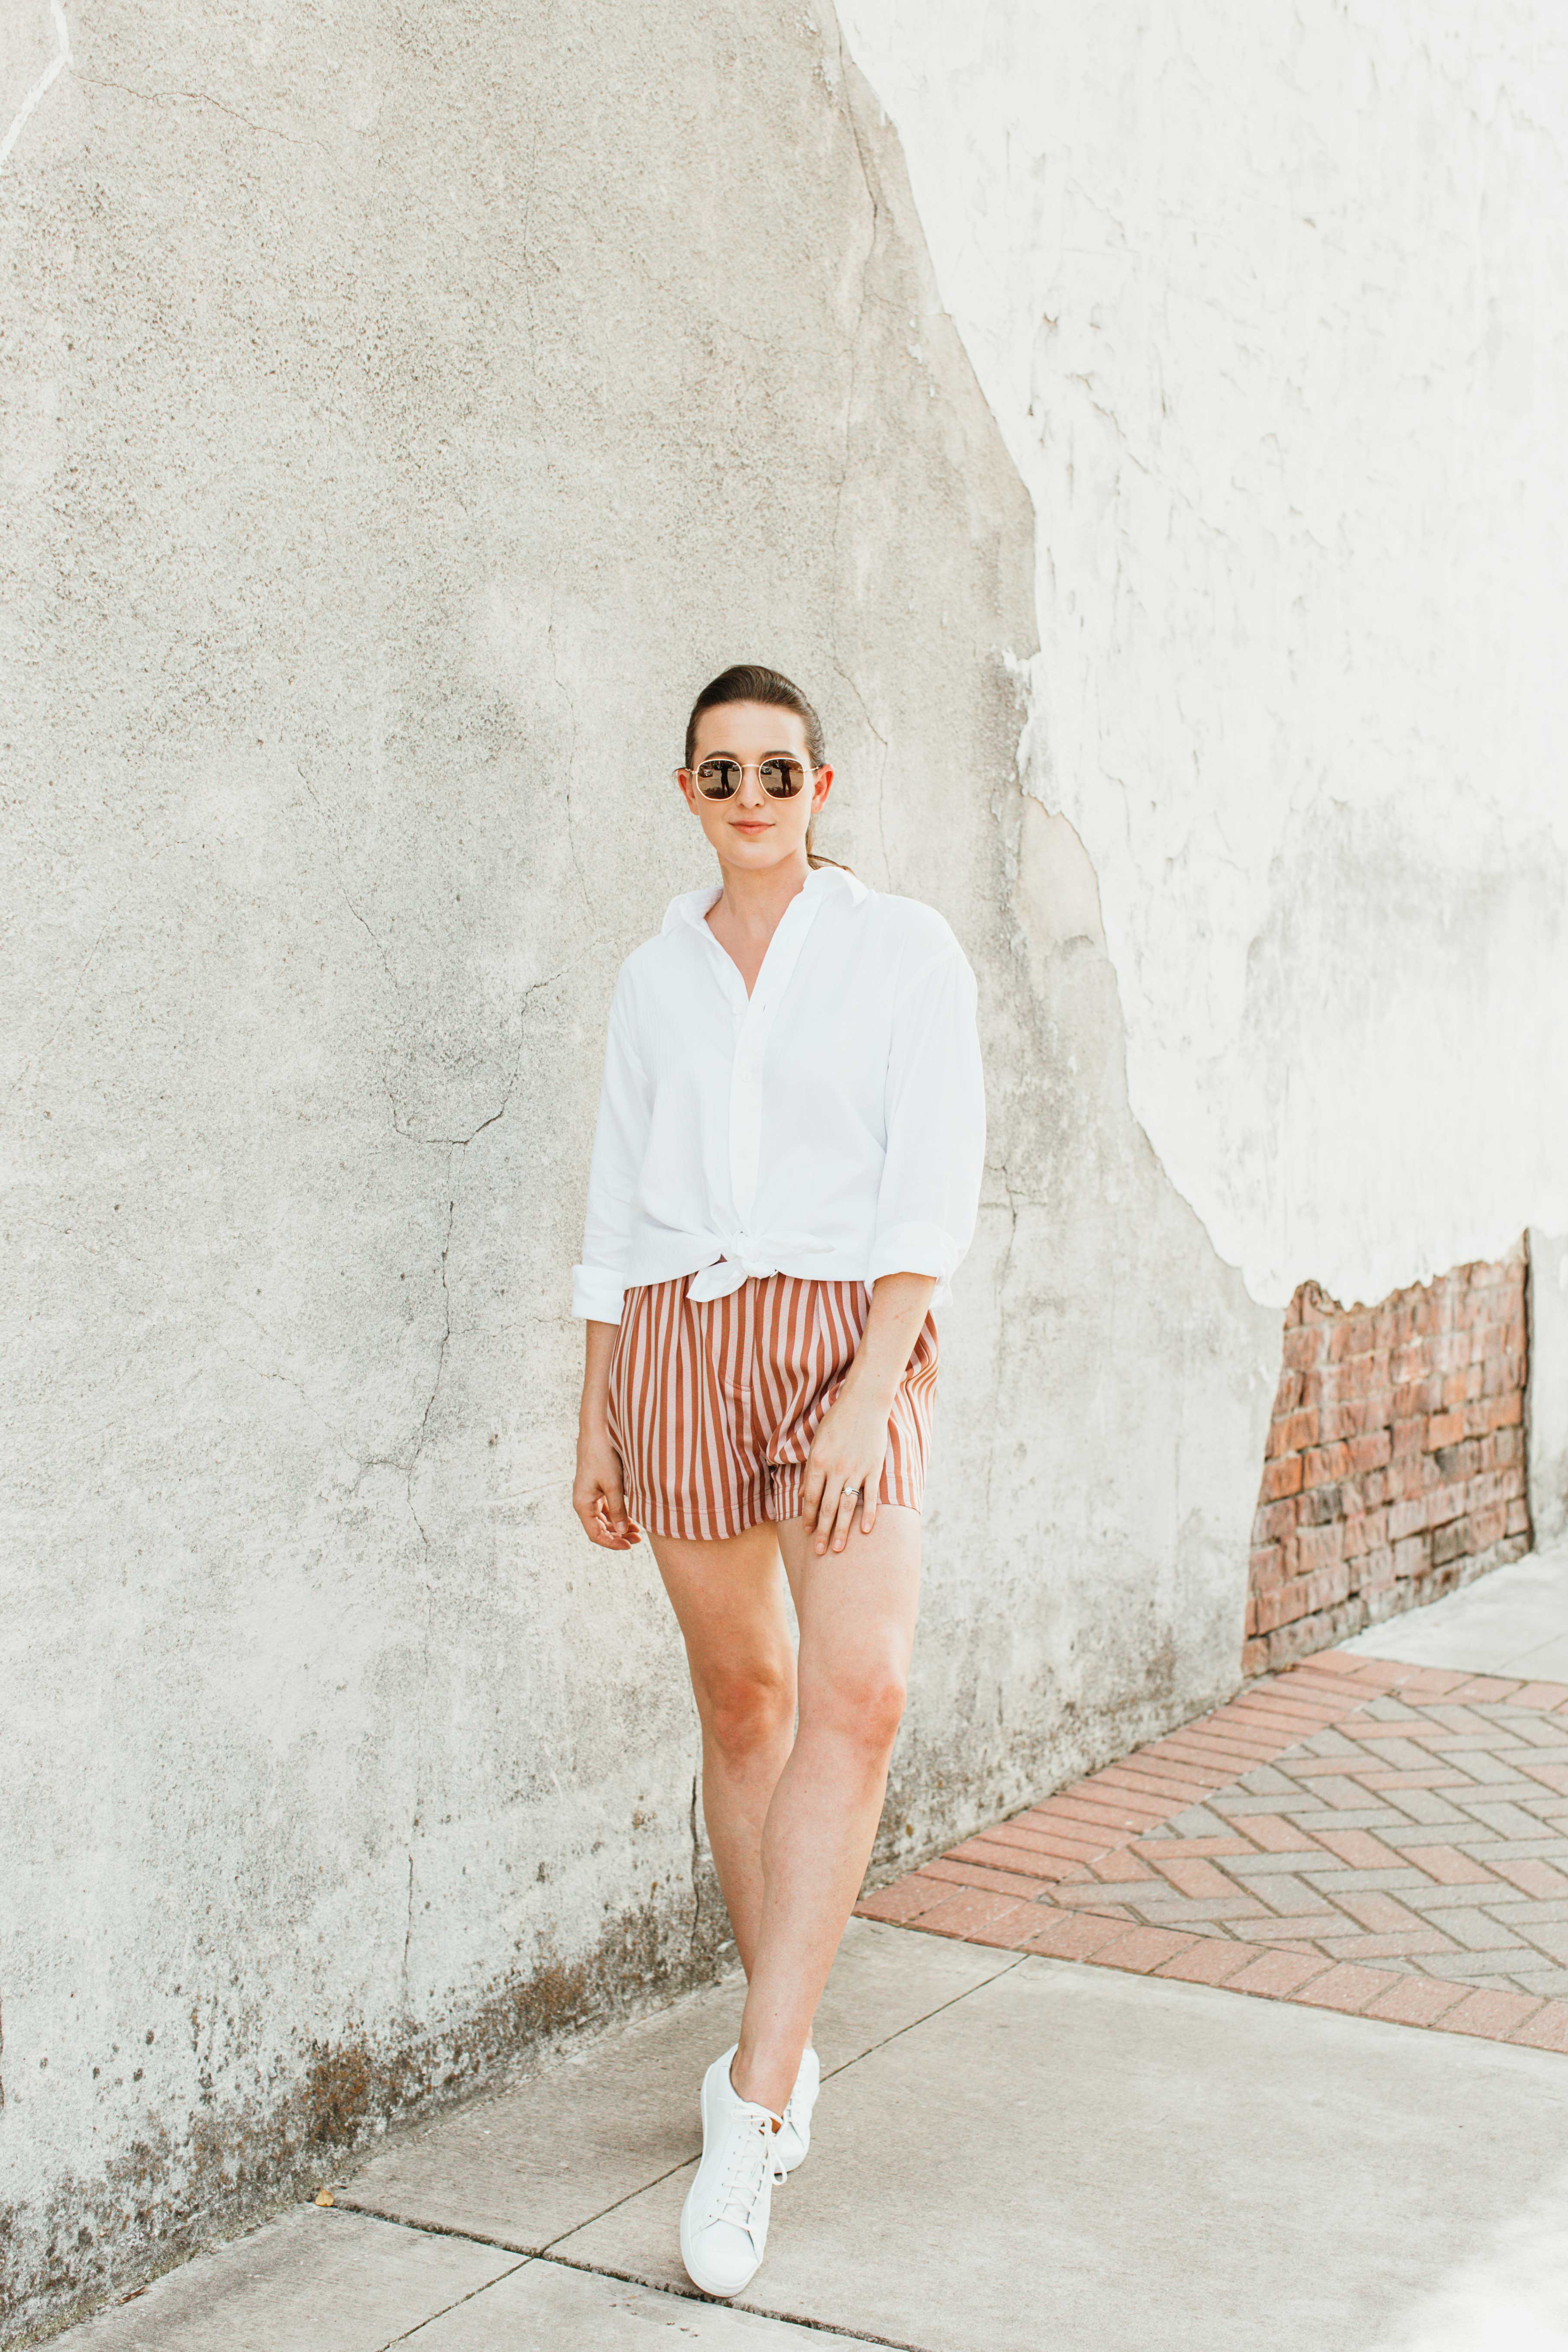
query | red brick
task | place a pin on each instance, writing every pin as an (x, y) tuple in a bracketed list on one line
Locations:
[(1497, 2016), (970, 1912), (1078, 1814), (1416, 2001), (1412, 1556), (1361, 1850), (1483, 1690), (1034, 1839), (1370, 1450), (1194, 1878), (1345, 1987), (1366, 1531), (1278, 1975), (1280, 1477), (1547, 2030), (1380, 1913), (1141, 1780), (1208, 1959), (1321, 1465), (1071, 1936), (1120, 1868), (1273, 1520), (1545, 1695), (905, 1899), (995, 1882), (1290, 1433), (1142, 1950), (993, 1853)]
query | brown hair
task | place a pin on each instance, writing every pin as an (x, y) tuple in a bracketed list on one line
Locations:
[(751, 682)]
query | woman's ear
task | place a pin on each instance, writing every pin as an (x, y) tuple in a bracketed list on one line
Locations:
[(822, 786)]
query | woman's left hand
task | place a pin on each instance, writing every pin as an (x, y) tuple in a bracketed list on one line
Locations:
[(845, 1464)]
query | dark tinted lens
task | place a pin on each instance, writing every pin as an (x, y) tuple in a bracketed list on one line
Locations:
[(782, 778), (718, 780)]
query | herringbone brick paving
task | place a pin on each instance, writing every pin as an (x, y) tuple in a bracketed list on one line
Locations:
[(1351, 1833)]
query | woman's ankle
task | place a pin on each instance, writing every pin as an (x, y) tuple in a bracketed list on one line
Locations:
[(759, 2084)]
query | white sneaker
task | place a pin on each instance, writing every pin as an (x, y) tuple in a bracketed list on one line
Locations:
[(795, 2138), (724, 2221)]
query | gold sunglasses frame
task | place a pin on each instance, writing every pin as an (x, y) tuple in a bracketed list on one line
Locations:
[(749, 768)]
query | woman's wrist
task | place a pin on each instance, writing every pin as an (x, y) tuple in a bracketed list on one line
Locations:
[(871, 1384)]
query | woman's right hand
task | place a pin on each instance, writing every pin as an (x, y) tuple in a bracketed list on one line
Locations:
[(597, 1495)]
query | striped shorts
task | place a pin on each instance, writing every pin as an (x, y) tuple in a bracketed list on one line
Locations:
[(714, 1406)]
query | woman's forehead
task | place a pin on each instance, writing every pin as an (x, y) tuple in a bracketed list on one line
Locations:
[(750, 727)]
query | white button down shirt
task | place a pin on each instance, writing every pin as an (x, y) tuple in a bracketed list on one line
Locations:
[(832, 1124)]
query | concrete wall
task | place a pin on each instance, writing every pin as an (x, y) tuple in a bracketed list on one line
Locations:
[(1267, 302), (1546, 1432), (407, 410)]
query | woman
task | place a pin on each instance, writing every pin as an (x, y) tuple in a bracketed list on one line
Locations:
[(785, 1177)]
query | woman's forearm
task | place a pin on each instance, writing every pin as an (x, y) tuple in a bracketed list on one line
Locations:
[(599, 1346), (899, 1305)]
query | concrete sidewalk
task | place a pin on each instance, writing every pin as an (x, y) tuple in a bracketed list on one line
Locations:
[(1010, 2151)]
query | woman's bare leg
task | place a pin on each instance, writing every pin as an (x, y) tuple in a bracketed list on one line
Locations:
[(857, 1610), (728, 1600)]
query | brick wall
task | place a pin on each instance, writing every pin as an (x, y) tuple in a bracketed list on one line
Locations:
[(1395, 1467)]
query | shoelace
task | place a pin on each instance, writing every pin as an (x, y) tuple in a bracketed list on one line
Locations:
[(751, 2161)]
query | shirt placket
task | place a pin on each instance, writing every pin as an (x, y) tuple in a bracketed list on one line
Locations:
[(754, 1017)]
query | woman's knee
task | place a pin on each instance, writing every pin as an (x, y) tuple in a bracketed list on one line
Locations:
[(863, 1707), (746, 1709)]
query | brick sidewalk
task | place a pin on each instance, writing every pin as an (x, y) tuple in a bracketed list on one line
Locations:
[(1351, 1833)]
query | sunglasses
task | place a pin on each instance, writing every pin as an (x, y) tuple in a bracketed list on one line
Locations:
[(719, 779)]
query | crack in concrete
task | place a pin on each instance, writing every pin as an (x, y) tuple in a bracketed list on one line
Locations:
[(204, 98), (343, 886), (455, 1145), (35, 97)]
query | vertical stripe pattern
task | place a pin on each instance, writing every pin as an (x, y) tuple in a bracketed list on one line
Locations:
[(714, 1406)]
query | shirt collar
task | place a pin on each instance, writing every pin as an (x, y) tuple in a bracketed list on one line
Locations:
[(691, 906)]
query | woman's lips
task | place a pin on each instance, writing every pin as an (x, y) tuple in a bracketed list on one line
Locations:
[(750, 824)]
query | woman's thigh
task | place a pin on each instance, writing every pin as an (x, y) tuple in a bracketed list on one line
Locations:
[(728, 1594), (857, 1608)]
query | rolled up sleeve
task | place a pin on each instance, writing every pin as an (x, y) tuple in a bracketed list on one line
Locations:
[(929, 1196), (620, 1140)]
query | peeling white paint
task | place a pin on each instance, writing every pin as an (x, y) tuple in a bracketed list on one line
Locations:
[(1268, 305), (56, 66)]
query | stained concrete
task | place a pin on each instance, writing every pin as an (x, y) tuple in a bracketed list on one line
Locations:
[(527, 2167), (414, 410), (312, 2281), (1030, 2152)]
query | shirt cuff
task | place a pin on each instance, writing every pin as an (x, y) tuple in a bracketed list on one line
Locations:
[(595, 1295), (915, 1249)]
